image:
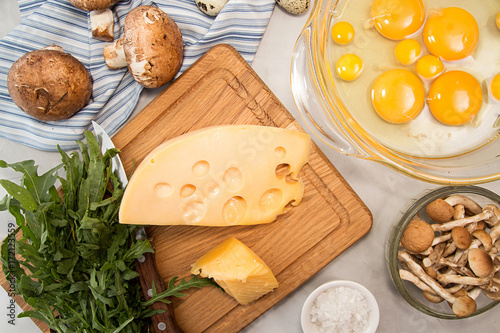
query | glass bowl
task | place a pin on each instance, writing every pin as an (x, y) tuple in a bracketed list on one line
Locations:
[(408, 290), (340, 114), (373, 316)]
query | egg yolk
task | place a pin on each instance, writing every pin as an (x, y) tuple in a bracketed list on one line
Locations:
[(495, 86), (429, 66), (398, 96), (455, 97), (349, 67), (497, 20), (342, 33), (407, 51), (451, 33), (397, 19)]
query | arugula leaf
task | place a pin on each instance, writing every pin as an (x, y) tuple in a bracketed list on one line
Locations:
[(77, 263)]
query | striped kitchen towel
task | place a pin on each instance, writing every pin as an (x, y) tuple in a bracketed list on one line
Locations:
[(241, 23)]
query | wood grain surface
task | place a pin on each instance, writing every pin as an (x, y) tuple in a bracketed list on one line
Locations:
[(221, 88)]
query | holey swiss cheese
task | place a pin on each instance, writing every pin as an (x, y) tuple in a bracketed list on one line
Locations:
[(218, 176)]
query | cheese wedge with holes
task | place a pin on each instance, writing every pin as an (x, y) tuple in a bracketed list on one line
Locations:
[(237, 270), (218, 176)]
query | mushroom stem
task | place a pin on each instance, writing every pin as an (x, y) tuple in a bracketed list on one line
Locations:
[(114, 55), (475, 292), (460, 269), (468, 203), (462, 222), (435, 255), (473, 281), (102, 24), (441, 238), (458, 212), (409, 276), (419, 271)]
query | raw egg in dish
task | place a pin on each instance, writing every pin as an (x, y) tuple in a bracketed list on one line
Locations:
[(429, 66), (455, 97), (349, 67), (451, 33), (398, 96), (495, 87), (342, 32), (407, 51), (397, 19)]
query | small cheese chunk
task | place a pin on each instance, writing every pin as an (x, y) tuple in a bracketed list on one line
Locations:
[(218, 176), (237, 270)]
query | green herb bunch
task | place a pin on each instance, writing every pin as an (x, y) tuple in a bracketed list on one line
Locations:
[(75, 262)]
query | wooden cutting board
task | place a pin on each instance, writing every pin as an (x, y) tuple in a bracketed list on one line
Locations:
[(221, 88)]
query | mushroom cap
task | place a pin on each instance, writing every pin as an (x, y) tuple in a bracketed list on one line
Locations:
[(153, 46), (464, 306), (418, 236), (484, 237), (439, 211), (480, 262), (433, 298), (461, 237), (49, 85), (496, 213), (90, 5)]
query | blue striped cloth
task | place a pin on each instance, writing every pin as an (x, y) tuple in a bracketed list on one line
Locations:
[(241, 24)]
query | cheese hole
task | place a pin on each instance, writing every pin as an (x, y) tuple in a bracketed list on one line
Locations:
[(271, 199), (201, 168), (289, 206), (280, 152), (163, 189), (289, 179), (234, 210), (233, 179), (187, 190), (194, 211), (282, 170), (212, 189)]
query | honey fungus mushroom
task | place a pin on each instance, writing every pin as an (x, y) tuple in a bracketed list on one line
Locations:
[(101, 17), (418, 236), (440, 211), (49, 84), (151, 48)]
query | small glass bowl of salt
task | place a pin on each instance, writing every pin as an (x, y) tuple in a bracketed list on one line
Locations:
[(340, 306)]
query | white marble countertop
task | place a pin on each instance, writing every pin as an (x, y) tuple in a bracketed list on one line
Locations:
[(383, 190)]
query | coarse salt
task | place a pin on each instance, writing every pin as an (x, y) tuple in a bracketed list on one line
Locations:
[(340, 309)]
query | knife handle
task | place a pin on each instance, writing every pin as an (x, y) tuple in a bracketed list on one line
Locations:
[(163, 322)]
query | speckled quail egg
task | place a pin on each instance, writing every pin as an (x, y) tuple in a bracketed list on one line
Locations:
[(294, 6), (211, 7)]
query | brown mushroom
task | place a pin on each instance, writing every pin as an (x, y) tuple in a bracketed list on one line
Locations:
[(480, 262), (484, 238), (468, 203), (153, 46), (440, 211), (101, 17), (49, 84), (418, 236), (464, 306), (461, 237), (496, 214)]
